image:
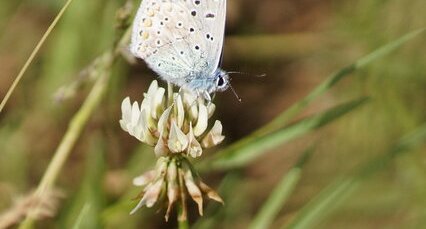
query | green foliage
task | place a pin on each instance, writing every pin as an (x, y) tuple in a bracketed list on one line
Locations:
[(280, 194), (89, 201), (330, 198), (250, 151)]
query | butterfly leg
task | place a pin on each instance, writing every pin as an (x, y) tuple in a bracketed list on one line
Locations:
[(206, 96)]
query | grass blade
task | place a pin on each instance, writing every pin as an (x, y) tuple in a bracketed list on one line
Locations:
[(217, 214), (63, 151), (90, 196), (77, 125), (33, 54), (285, 117), (280, 194), (329, 199), (295, 109), (81, 216), (231, 158)]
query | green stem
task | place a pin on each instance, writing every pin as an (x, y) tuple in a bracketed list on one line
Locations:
[(63, 151), (183, 224), (182, 217), (76, 126), (32, 56)]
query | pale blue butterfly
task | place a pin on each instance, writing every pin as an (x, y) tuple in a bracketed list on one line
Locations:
[(182, 41)]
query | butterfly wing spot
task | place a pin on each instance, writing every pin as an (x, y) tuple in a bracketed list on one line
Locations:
[(197, 2), (179, 25), (147, 22), (210, 15), (150, 13), (209, 37), (194, 13), (141, 48), (145, 35)]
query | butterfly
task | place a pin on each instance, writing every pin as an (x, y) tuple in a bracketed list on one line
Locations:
[(182, 41)]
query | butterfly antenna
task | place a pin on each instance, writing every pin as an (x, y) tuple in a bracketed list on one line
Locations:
[(235, 93), (247, 74)]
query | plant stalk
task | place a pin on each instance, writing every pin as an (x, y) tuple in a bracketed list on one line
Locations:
[(63, 151)]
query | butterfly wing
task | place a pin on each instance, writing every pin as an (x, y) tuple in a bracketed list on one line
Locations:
[(178, 38), (212, 15)]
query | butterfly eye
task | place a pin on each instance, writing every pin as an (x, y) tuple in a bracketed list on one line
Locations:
[(220, 82)]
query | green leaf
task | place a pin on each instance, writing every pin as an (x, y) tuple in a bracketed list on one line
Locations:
[(279, 196), (330, 198), (231, 158)]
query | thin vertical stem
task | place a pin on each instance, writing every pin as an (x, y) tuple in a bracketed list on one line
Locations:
[(64, 149), (182, 211), (32, 56)]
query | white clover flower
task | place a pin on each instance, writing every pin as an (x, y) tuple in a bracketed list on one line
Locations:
[(177, 126), (173, 123), (173, 177)]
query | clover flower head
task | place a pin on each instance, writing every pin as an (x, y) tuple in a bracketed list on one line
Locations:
[(176, 124)]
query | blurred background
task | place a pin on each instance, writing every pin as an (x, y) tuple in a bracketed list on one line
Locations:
[(295, 43)]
